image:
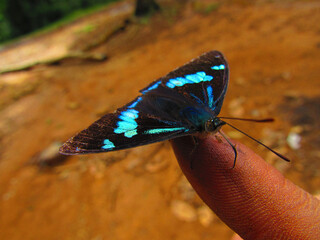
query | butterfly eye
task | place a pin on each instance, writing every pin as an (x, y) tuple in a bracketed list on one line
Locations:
[(213, 124), (209, 126)]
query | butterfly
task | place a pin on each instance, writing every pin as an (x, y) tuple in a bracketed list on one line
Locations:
[(184, 102)]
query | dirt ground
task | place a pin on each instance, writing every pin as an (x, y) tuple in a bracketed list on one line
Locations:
[(273, 50)]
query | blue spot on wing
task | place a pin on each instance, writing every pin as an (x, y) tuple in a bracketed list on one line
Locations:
[(210, 96), (127, 123), (130, 133), (170, 85), (134, 104), (154, 86), (123, 125), (188, 79), (129, 114), (194, 78), (218, 67), (108, 144)]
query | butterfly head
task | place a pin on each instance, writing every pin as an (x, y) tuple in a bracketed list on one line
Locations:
[(213, 124)]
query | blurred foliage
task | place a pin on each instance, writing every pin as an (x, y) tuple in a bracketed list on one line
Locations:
[(18, 17), (206, 8), (146, 7), (4, 24)]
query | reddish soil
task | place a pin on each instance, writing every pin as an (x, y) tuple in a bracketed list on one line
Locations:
[(273, 50)]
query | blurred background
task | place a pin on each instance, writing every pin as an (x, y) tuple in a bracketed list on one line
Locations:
[(64, 64)]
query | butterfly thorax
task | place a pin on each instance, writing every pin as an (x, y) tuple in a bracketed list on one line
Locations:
[(213, 125)]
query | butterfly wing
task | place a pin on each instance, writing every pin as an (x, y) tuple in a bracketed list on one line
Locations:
[(203, 80), (100, 136), (172, 106)]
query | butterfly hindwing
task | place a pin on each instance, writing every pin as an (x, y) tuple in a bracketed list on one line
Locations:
[(172, 106)]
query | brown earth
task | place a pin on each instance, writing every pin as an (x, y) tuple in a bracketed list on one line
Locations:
[(273, 50)]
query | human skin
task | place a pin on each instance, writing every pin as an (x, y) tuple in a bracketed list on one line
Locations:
[(253, 198)]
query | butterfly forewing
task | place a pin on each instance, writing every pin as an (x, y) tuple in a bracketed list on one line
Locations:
[(98, 138), (195, 80), (172, 106)]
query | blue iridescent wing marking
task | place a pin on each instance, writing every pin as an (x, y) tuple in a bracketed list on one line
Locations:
[(175, 105), (98, 138)]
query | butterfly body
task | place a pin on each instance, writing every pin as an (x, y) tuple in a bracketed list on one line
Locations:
[(186, 101)]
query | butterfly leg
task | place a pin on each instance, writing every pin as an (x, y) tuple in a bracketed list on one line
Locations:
[(218, 138), (195, 144), (233, 147)]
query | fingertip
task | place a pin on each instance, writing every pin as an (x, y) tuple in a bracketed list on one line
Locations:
[(253, 198), (209, 151)]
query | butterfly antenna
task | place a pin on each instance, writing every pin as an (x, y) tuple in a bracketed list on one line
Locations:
[(276, 153), (233, 147), (250, 119)]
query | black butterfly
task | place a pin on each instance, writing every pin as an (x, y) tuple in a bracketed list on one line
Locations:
[(185, 101)]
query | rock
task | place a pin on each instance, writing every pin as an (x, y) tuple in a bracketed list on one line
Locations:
[(205, 215), (183, 211), (294, 140)]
